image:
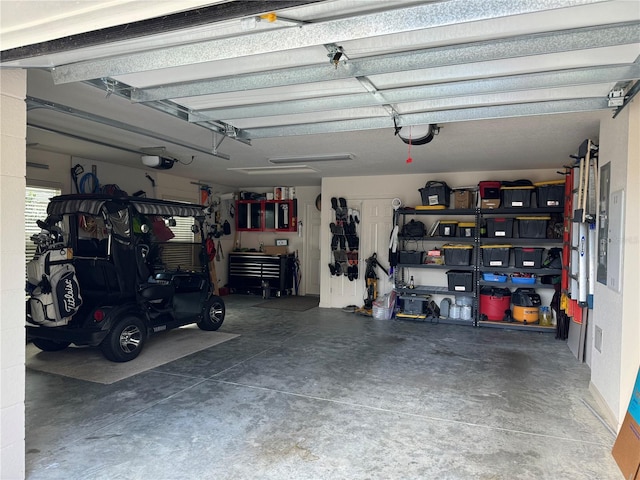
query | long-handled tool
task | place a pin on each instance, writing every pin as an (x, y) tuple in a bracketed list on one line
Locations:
[(371, 279), (76, 171)]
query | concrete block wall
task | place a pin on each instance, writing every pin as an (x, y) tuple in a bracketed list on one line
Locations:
[(12, 252)]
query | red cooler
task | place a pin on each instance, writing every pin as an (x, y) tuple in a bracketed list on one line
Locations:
[(493, 302)]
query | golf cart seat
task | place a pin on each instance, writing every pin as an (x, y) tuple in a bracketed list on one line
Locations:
[(156, 292), (151, 290)]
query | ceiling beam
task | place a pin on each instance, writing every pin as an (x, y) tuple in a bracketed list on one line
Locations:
[(514, 47), (511, 83), (34, 103), (388, 22), (439, 117), (83, 138), (112, 87)]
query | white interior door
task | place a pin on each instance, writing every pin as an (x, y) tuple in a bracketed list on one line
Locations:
[(376, 219), (377, 222), (311, 272)]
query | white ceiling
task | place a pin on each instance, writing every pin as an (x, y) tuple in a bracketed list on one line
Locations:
[(513, 85)]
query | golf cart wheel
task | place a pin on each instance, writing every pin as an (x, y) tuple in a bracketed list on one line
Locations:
[(212, 314), (49, 345), (125, 340)]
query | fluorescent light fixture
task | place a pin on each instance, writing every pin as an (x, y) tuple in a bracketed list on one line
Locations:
[(44, 166), (303, 159), (277, 170)]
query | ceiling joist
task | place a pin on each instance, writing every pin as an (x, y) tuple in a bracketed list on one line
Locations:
[(515, 47), (509, 83), (388, 22), (36, 103), (444, 116)]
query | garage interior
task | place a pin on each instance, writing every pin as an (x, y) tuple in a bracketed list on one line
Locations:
[(313, 95)]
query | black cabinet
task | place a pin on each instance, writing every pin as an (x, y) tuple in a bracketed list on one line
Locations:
[(255, 272)]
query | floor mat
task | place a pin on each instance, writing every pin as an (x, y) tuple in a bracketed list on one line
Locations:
[(89, 364), (292, 302)]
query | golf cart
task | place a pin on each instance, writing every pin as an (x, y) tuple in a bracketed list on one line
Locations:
[(106, 274)]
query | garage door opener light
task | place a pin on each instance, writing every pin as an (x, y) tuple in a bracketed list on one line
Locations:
[(311, 158)]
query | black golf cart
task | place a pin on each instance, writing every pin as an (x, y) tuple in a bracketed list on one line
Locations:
[(107, 274)]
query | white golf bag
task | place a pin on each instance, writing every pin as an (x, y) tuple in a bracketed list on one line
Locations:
[(55, 294)]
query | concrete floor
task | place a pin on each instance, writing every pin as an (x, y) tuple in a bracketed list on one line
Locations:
[(324, 394)]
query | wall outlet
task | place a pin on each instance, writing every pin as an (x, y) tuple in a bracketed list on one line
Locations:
[(597, 342)]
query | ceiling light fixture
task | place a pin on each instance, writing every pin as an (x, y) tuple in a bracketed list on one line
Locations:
[(43, 166), (416, 134), (338, 157), (276, 170)]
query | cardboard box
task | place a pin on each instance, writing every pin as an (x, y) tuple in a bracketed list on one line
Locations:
[(462, 199), (434, 257), (281, 193), (490, 203), (273, 250), (626, 449)]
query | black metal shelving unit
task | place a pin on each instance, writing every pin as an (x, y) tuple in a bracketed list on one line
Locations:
[(427, 290), (476, 266), (532, 327), (534, 242), (433, 266)]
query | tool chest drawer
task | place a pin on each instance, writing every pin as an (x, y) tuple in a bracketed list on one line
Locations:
[(249, 271)]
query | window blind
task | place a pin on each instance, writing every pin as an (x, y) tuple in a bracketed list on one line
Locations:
[(181, 252), (35, 208)]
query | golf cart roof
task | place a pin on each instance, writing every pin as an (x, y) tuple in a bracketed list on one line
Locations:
[(94, 204)]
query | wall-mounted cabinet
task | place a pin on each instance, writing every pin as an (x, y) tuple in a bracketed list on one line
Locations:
[(266, 215)]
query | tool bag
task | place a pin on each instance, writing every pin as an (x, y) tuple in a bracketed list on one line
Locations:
[(55, 292), (435, 193), (553, 260), (414, 229)]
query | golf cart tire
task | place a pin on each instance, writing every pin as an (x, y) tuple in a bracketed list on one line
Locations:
[(212, 314), (125, 340), (49, 345)]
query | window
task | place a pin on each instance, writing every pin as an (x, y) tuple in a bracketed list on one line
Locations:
[(182, 230), (181, 252), (35, 208)]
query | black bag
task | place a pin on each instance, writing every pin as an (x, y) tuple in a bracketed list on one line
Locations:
[(553, 259), (414, 229), (435, 193), (393, 258), (517, 183)]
